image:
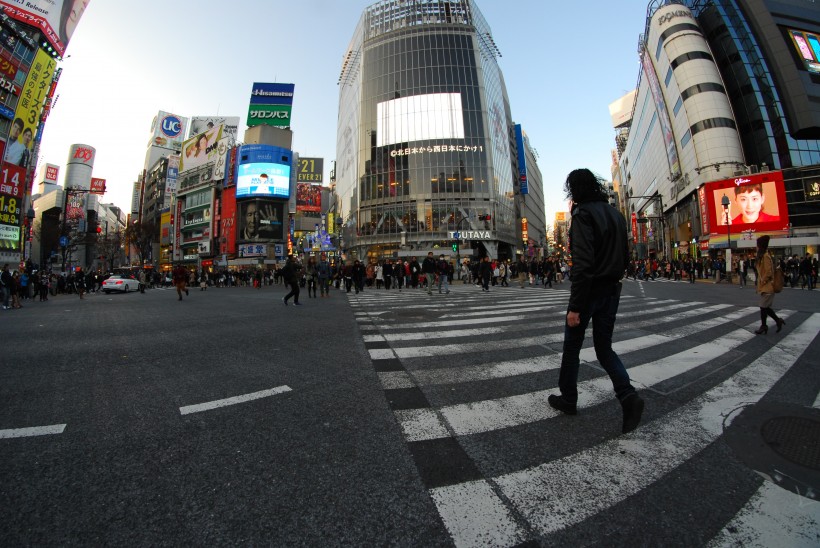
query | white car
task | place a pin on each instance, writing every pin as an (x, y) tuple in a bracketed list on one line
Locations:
[(120, 283)]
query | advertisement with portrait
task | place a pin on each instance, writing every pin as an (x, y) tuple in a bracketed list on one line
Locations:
[(308, 198), (261, 220), (263, 171), (23, 128), (201, 124), (168, 130), (755, 202), (57, 19), (200, 149)]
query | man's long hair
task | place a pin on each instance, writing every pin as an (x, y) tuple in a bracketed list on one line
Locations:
[(584, 186)]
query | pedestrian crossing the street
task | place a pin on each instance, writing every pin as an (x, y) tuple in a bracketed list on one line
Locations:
[(468, 374)]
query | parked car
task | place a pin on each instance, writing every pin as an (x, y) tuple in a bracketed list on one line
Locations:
[(120, 283)]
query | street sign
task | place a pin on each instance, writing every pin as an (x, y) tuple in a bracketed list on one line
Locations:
[(63, 241)]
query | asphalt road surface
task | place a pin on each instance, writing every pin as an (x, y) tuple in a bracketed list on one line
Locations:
[(398, 418)]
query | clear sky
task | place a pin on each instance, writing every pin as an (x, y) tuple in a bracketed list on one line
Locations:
[(563, 62)]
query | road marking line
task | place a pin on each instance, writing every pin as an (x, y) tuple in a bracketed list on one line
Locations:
[(475, 516), (583, 481), (233, 401), (32, 431), (773, 517)]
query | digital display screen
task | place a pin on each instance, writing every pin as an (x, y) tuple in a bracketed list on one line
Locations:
[(808, 47), (419, 118), (263, 179), (754, 203)]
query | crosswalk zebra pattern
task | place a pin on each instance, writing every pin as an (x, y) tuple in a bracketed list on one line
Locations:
[(468, 374)]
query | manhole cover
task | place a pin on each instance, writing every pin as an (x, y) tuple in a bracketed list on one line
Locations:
[(794, 438)]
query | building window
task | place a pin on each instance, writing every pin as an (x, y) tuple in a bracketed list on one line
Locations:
[(700, 88), (686, 138), (710, 123), (668, 76), (690, 56), (678, 104)]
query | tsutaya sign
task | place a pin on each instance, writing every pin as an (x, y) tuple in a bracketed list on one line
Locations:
[(471, 235)]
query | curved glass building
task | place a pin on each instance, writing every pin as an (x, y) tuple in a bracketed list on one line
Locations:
[(425, 142)]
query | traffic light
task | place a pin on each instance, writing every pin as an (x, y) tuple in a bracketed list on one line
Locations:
[(455, 247)]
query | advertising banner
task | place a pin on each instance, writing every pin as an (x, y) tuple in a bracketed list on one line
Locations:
[(201, 124), (308, 197), (168, 130), (331, 223), (261, 221), (253, 250), (57, 19), (272, 115), (263, 171), (9, 237), (523, 182), (12, 181), (97, 186), (51, 173), (165, 228), (27, 115), (75, 207), (634, 228), (663, 113), (311, 170), (227, 221), (223, 149), (200, 149), (272, 94), (755, 203)]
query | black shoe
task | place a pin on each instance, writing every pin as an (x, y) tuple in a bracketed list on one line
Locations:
[(633, 409), (762, 330), (558, 402), (186, 292), (284, 300), (780, 323), (297, 304)]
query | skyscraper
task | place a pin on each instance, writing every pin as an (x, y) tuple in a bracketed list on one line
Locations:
[(425, 137)]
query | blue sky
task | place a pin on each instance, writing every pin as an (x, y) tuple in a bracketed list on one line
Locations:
[(563, 63)]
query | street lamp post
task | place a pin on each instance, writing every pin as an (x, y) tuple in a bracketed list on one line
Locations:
[(725, 203)]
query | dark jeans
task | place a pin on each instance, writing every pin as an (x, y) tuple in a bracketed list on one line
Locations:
[(603, 307), (294, 291)]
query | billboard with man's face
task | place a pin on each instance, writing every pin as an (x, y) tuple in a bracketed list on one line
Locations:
[(755, 202), (261, 221)]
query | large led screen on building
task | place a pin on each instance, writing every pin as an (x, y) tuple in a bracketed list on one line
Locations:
[(808, 46), (263, 171), (419, 118), (755, 203), (308, 197), (261, 221)]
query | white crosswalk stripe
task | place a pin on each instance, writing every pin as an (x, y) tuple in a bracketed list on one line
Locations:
[(452, 349)]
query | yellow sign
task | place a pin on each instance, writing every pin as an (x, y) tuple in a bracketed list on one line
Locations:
[(29, 109), (561, 216)]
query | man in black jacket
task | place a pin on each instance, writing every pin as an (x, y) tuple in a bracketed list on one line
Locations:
[(428, 268), (290, 273), (600, 255)]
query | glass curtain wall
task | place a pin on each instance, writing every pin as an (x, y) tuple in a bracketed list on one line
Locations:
[(432, 126)]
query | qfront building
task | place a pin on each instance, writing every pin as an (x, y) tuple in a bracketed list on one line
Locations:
[(426, 152), (722, 143)]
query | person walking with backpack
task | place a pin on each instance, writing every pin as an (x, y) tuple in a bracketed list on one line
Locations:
[(765, 286)]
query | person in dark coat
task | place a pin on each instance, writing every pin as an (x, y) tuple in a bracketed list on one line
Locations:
[(290, 273)]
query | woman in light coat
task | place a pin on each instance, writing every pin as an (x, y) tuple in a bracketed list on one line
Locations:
[(765, 286)]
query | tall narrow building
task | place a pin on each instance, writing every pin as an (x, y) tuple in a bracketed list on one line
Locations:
[(425, 140)]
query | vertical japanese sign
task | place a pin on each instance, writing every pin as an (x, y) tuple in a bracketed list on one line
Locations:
[(29, 108), (634, 228)]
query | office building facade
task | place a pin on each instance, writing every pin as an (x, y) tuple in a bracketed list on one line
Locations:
[(425, 144)]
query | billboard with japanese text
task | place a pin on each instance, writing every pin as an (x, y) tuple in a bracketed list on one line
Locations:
[(201, 149), (56, 19)]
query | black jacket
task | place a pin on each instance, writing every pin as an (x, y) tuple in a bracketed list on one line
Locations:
[(599, 252), (428, 266)]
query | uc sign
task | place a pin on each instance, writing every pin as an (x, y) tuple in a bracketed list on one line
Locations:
[(171, 126)]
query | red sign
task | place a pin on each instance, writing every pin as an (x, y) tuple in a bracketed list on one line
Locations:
[(84, 154), (754, 203), (97, 186), (308, 197), (51, 173), (12, 180), (634, 228), (227, 226)]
